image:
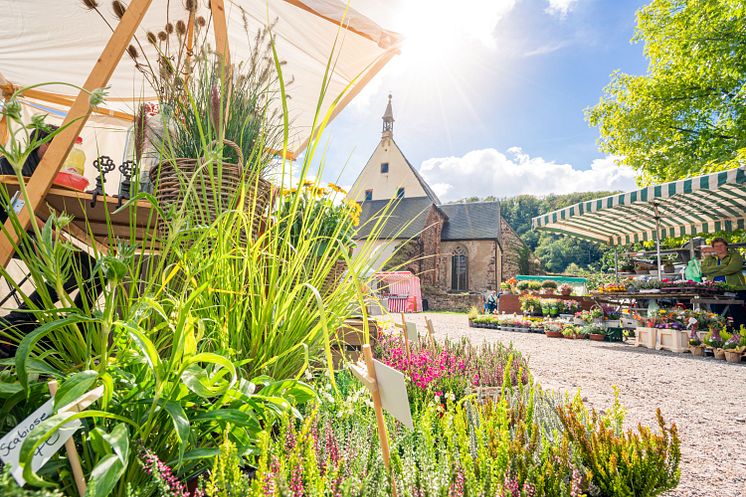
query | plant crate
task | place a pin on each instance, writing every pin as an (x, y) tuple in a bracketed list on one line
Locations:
[(733, 356), (614, 334), (646, 337), (673, 340)]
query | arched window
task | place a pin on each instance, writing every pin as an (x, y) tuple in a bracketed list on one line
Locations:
[(459, 269)]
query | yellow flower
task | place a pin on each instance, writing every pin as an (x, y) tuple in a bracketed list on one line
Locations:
[(337, 189), (308, 183)]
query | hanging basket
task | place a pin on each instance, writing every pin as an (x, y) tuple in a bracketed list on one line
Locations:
[(211, 189)]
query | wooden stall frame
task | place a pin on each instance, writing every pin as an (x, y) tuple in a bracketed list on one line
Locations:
[(80, 110)]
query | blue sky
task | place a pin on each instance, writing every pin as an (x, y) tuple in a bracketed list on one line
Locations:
[(495, 104)]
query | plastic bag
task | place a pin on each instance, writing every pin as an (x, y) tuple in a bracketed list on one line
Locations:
[(693, 270)]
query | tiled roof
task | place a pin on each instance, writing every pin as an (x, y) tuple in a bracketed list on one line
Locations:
[(472, 221), (405, 218)]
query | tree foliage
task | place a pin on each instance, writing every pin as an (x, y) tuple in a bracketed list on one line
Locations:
[(687, 115)]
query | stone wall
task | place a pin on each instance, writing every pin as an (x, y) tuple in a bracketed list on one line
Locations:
[(512, 246), (439, 300), (430, 263), (482, 271)]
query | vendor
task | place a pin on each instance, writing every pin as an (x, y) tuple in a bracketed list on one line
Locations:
[(721, 264)]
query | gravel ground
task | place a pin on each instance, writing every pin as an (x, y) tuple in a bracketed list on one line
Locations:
[(706, 398)]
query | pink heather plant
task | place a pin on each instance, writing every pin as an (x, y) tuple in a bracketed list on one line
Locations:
[(168, 485)]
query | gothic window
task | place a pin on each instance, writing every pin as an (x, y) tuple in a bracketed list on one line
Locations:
[(384, 167), (400, 192), (459, 270), (369, 195)]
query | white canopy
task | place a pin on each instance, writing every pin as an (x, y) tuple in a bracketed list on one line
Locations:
[(60, 40)]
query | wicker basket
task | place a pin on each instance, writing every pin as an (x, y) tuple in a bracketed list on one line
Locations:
[(332, 279), (171, 179)]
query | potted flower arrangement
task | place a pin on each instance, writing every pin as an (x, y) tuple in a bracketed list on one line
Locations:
[(506, 288), (714, 340), (565, 290), (553, 329), (583, 332), (534, 286), (569, 331), (531, 305), (734, 347), (595, 333), (569, 308), (612, 315), (668, 262), (549, 286)]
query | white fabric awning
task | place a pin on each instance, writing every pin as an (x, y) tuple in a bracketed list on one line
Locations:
[(59, 40)]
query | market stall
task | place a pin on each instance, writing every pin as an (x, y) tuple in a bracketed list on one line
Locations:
[(705, 204), (399, 290)]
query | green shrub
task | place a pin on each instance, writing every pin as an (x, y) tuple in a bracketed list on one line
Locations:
[(522, 285), (546, 284), (623, 463), (534, 285)]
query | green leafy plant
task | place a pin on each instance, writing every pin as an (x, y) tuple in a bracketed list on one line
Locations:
[(640, 463), (534, 285), (549, 284), (522, 285)]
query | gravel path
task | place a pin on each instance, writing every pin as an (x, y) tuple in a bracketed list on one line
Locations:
[(706, 398)]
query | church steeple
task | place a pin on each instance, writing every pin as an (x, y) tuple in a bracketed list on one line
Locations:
[(388, 122)]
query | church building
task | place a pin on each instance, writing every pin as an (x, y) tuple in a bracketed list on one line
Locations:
[(461, 247)]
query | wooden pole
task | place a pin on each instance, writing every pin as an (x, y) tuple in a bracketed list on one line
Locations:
[(72, 453), (380, 421), (76, 118), (430, 332), (189, 47)]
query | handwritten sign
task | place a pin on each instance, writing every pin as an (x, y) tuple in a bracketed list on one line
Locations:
[(10, 444), (393, 392)]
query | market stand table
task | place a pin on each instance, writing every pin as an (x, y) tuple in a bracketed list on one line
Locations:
[(696, 299), (96, 223)]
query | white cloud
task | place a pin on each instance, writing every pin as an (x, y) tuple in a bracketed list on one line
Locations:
[(560, 7), (547, 48), (487, 172)]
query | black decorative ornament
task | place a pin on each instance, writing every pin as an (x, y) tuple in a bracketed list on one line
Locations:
[(104, 165), (127, 168)]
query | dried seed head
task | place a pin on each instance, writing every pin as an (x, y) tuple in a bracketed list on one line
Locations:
[(132, 51), (152, 38), (169, 28), (180, 28), (119, 8), (162, 36), (201, 22), (90, 4), (190, 5)]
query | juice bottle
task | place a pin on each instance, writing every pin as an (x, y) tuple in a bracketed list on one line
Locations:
[(75, 161)]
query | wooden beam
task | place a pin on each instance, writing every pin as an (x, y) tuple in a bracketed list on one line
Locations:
[(75, 120), (54, 98), (220, 26)]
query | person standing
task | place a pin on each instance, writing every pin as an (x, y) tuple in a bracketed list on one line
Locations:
[(724, 265)]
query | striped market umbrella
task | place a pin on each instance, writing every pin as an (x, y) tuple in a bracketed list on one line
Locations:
[(704, 204)]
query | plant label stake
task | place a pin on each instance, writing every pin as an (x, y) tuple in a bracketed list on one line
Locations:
[(430, 332), (10, 444), (389, 392)]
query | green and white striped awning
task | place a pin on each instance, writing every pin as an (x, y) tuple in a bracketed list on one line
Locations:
[(704, 204)]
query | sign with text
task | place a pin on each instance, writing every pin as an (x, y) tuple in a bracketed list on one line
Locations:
[(393, 391), (10, 444)]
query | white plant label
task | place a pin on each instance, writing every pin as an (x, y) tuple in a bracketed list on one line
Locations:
[(393, 392), (412, 334), (10, 444)]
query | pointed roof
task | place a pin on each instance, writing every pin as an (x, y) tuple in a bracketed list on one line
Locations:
[(389, 114), (429, 191)]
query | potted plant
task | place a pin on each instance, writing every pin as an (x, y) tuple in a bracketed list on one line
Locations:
[(612, 315), (583, 332), (549, 286), (506, 288), (714, 341), (534, 286), (531, 305), (569, 331), (626, 265), (522, 286), (553, 329), (595, 333), (734, 347), (565, 290), (668, 261)]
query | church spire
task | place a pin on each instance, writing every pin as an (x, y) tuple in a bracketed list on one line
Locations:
[(388, 121)]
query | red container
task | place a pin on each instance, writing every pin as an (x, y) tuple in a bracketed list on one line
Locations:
[(72, 181)]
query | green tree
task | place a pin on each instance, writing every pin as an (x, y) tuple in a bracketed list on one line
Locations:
[(687, 115)]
